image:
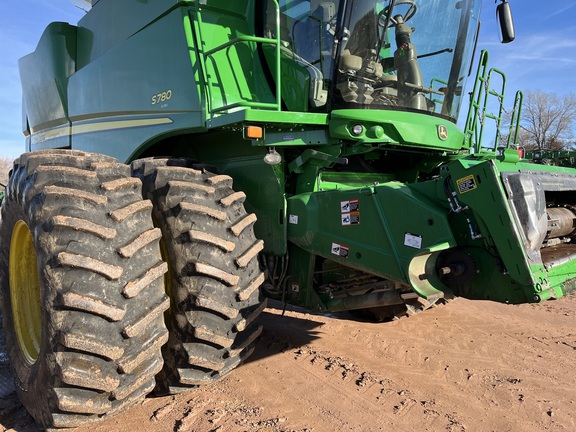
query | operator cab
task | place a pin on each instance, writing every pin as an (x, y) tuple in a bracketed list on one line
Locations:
[(410, 55)]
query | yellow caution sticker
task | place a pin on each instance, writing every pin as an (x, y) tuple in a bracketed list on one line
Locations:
[(466, 184)]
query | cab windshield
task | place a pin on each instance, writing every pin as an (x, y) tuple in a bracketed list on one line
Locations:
[(411, 55)]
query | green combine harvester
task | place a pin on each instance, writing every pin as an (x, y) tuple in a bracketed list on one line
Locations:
[(189, 158)]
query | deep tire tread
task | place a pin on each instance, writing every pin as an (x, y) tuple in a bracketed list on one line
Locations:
[(141, 322), (148, 350), (77, 224), (239, 227), (251, 316), (121, 214), (92, 344), (66, 192), (202, 210), (80, 401), (92, 305), (85, 371), (101, 273), (134, 287), (246, 292), (204, 356), (140, 242), (250, 254), (145, 374), (215, 275), (74, 260)]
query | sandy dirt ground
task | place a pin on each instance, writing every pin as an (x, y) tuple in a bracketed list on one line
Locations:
[(467, 366)]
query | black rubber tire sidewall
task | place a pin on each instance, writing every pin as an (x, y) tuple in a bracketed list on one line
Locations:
[(69, 333)]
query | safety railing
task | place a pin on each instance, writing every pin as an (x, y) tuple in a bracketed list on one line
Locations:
[(440, 82), (482, 94), (205, 55)]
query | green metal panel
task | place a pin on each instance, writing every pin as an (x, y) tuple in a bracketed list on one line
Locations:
[(130, 96), (44, 75), (378, 229), (397, 127), (277, 121), (263, 184), (487, 200), (232, 74), (509, 268), (124, 93), (111, 22), (127, 80)]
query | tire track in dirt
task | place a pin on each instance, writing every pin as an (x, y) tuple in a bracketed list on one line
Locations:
[(344, 392), (470, 351)]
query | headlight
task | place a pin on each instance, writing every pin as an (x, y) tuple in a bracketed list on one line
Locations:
[(357, 130)]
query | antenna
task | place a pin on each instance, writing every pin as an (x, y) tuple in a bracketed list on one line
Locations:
[(85, 5)]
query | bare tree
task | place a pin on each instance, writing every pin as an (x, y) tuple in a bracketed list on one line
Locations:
[(5, 167), (547, 121)]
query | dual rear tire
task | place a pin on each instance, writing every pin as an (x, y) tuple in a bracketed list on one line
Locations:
[(214, 276), (84, 269)]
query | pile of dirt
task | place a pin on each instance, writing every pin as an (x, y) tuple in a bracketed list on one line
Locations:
[(467, 366)]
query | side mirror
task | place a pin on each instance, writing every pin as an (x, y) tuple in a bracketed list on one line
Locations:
[(504, 18)]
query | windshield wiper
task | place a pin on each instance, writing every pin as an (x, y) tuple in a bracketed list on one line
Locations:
[(436, 53)]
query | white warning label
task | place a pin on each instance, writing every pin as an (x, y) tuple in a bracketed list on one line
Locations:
[(413, 241)]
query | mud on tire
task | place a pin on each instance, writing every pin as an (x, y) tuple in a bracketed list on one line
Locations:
[(214, 276), (85, 262)]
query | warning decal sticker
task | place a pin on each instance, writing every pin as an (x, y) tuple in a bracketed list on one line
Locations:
[(341, 251), (413, 241), (351, 218), (350, 211), (349, 206), (466, 184)]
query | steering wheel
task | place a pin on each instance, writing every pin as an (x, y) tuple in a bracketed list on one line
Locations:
[(393, 21)]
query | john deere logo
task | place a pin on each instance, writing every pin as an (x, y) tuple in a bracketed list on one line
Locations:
[(443, 132)]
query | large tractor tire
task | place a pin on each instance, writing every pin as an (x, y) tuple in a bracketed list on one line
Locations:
[(214, 275), (82, 288)]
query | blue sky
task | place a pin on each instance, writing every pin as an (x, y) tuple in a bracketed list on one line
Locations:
[(543, 56)]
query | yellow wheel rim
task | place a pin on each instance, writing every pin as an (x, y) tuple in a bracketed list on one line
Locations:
[(25, 292)]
